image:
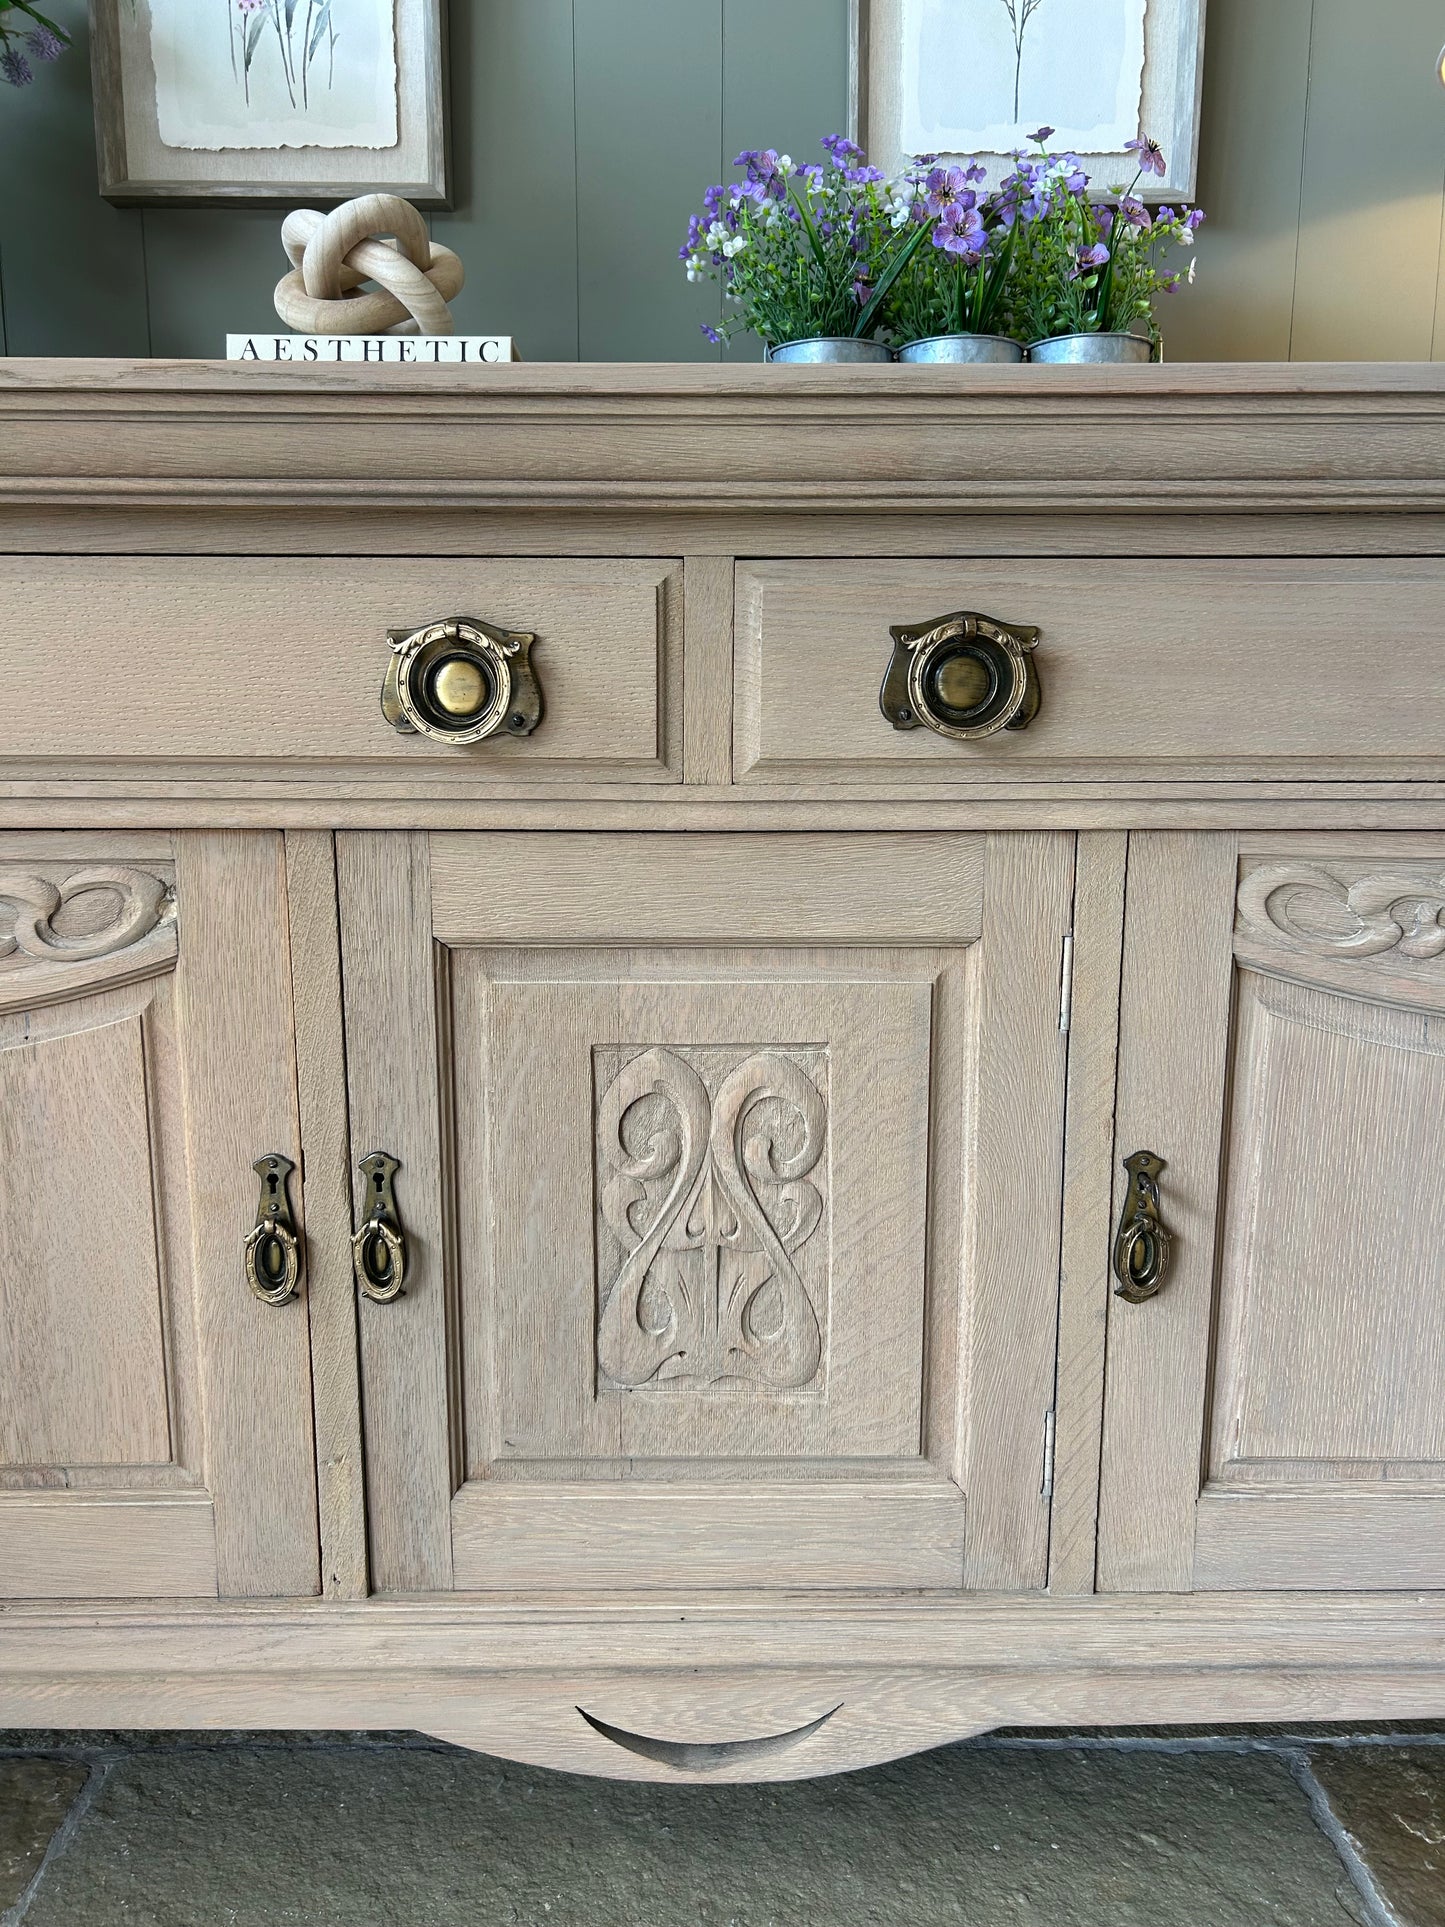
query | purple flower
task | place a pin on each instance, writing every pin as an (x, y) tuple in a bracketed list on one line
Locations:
[(45, 43), (712, 334), (1150, 157), (1096, 256), (15, 68), (840, 150), (960, 232), (1135, 213), (1041, 134), (1194, 219), (1105, 218)]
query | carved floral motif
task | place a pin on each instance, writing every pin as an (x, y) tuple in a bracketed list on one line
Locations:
[(1312, 909), (710, 1199), (30, 902)]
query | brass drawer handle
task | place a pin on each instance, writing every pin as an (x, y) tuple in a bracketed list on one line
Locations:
[(965, 676), (461, 680), (378, 1250), (1143, 1242), (272, 1251)]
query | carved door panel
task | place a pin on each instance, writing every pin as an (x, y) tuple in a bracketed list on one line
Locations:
[(1275, 1418), (155, 1430), (732, 1253)]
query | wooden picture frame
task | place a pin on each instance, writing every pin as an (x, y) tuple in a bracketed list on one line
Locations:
[(138, 166), (1172, 72)]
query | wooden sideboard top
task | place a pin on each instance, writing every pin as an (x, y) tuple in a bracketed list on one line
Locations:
[(704, 437)]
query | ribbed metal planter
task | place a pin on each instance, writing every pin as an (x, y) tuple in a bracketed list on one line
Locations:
[(829, 348), (1096, 348), (962, 348)]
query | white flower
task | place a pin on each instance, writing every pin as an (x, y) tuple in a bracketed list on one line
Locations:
[(1194, 263), (785, 163), (1186, 239), (734, 244), (717, 234)]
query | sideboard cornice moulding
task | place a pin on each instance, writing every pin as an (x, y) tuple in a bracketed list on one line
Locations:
[(582, 951), (888, 442)]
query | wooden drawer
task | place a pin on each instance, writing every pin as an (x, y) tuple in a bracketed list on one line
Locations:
[(1149, 669), (200, 666)]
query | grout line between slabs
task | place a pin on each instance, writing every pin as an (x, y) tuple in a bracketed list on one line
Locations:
[(60, 1840), (1377, 1910)]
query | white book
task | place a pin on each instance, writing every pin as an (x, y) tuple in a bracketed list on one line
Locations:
[(423, 349)]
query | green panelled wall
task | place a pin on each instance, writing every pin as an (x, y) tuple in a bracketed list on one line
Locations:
[(585, 130)]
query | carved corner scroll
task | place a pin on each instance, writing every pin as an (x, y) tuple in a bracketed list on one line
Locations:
[(65, 930), (1370, 932), (711, 1187)]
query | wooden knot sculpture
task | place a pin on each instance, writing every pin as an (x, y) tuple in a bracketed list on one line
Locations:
[(333, 253)]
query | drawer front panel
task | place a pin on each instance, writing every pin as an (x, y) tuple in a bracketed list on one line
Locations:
[(197, 666), (1148, 669)]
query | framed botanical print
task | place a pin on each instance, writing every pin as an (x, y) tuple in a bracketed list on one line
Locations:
[(955, 77), (270, 100)]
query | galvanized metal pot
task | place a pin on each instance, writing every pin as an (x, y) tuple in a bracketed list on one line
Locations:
[(830, 348), (962, 348), (1096, 347)]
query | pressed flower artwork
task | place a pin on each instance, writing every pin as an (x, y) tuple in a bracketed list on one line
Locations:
[(275, 73)]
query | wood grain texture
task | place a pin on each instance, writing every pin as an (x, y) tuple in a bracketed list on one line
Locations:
[(326, 1187), (708, 670), (555, 889), (218, 639), (1011, 1286), (1302, 1542), (238, 1059), (1089, 1164), (1119, 666), (391, 1071), (511, 1538), (74, 1545), (82, 1357), (1173, 1043)]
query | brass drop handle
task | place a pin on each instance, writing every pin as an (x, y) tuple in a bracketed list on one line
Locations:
[(378, 1250), (461, 680), (1143, 1242), (272, 1251), (965, 676)]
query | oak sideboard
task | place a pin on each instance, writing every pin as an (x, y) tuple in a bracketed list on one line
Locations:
[(721, 1071)]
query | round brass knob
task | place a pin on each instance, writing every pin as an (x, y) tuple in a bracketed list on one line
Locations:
[(459, 686)]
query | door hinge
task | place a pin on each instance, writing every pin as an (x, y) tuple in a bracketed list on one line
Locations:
[(1066, 984), (1046, 1488)]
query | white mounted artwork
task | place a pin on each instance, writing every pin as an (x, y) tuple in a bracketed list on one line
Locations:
[(274, 73), (978, 77), (257, 101)]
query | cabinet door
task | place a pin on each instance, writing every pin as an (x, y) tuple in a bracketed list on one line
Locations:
[(732, 1250), (1274, 1417), (155, 1416)]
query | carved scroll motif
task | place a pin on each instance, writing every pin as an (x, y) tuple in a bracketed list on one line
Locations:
[(1311, 909), (710, 1198), (30, 904)]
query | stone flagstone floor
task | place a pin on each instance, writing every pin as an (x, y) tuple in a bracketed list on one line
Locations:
[(1179, 1829)]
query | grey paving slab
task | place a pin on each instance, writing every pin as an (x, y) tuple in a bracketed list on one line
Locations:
[(1391, 1802), (971, 1837), (35, 1796)]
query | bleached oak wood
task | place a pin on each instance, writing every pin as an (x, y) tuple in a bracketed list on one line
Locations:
[(1011, 1267), (508, 1676), (326, 1185), (1173, 1046), (1288, 690), (708, 669), (1089, 1164), (780, 889), (534, 1537), (1328, 1542), (391, 1071), (208, 639), (238, 1062), (113, 1545)]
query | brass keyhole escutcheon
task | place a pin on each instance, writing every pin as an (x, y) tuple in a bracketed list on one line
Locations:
[(1143, 1244), (271, 1255), (964, 675), (378, 1248)]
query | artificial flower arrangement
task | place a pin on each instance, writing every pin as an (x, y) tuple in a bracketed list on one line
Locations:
[(25, 35), (835, 262)]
